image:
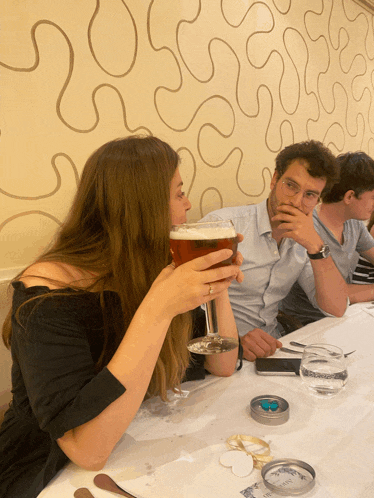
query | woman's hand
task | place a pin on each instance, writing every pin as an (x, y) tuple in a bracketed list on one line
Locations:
[(193, 284)]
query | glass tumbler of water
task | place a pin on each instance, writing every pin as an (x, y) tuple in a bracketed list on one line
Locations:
[(323, 370)]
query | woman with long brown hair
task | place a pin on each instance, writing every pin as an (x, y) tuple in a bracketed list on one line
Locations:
[(101, 320)]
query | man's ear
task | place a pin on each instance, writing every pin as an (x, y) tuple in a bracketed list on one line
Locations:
[(274, 180), (349, 196)]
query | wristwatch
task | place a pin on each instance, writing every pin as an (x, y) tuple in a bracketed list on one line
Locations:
[(323, 253)]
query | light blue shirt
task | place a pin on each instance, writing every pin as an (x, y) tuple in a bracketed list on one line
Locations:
[(269, 272)]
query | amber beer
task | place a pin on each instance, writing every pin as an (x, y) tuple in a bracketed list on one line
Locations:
[(193, 240), (187, 244)]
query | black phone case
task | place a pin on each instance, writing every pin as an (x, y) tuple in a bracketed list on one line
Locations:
[(278, 366)]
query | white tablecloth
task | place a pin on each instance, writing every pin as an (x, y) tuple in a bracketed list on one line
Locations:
[(172, 450)]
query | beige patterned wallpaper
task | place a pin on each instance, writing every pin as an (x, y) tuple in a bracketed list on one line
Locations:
[(228, 83)]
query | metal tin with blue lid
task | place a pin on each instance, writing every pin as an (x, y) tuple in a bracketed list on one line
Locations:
[(270, 409)]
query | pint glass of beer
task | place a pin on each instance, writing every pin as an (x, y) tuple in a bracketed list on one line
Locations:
[(192, 240)]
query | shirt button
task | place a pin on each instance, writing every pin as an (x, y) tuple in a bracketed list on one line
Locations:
[(275, 252)]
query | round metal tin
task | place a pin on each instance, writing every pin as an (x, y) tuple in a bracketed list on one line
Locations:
[(277, 416), (288, 477)]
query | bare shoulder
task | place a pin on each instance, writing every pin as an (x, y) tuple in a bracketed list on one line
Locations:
[(52, 274)]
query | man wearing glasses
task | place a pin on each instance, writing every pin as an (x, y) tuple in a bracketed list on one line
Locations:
[(280, 242), (339, 222)]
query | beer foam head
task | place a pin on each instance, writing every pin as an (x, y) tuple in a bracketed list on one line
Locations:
[(206, 233)]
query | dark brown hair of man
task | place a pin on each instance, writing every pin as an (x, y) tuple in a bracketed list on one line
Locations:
[(356, 173), (319, 161)]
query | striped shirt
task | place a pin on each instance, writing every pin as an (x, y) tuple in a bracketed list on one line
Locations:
[(364, 272)]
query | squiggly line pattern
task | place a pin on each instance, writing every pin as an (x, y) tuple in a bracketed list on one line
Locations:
[(227, 83)]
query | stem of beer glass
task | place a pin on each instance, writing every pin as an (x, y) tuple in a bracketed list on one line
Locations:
[(211, 318)]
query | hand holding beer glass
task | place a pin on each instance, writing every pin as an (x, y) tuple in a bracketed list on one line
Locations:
[(193, 240)]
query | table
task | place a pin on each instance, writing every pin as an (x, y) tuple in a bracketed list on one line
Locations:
[(173, 449)]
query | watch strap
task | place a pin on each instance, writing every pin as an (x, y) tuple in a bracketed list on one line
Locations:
[(323, 253)]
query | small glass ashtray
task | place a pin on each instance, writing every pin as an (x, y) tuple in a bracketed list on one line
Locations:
[(288, 477), (269, 409)]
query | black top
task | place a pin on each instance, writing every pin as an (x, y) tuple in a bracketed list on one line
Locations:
[(55, 345)]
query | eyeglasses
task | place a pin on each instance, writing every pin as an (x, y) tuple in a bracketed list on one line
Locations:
[(290, 189)]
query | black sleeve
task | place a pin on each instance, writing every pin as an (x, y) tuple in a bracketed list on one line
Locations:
[(57, 368)]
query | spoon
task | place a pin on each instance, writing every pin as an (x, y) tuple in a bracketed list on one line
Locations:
[(103, 481), (83, 493)]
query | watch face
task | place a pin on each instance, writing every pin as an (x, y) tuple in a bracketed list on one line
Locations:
[(325, 251)]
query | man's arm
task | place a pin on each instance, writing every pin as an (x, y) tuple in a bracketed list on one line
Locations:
[(359, 293), (331, 288)]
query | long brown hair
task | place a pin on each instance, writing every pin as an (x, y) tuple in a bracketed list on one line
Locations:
[(118, 227)]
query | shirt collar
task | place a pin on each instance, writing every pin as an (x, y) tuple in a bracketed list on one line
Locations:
[(263, 221)]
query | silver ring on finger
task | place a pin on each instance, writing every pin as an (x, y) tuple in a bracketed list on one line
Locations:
[(210, 289)]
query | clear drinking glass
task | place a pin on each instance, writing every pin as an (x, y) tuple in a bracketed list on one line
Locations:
[(323, 370), (192, 240)]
